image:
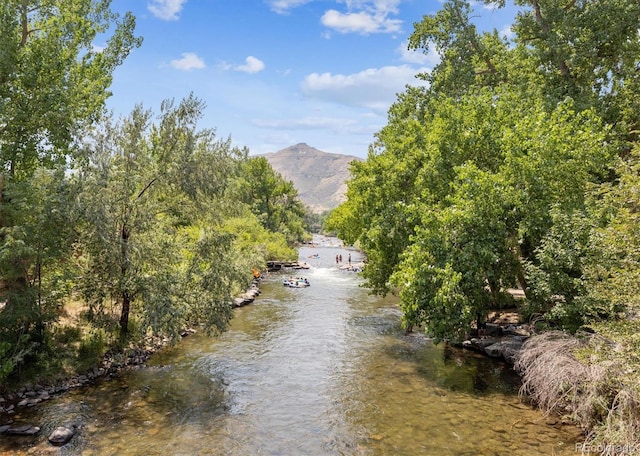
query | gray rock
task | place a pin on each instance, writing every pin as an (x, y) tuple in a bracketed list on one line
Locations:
[(493, 330), (484, 343), (61, 435), (26, 429), (507, 349), (517, 330), (511, 349), (494, 350)]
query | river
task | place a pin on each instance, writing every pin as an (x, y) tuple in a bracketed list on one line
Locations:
[(324, 370)]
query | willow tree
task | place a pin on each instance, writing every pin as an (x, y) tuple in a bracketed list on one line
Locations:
[(54, 80), (153, 245)]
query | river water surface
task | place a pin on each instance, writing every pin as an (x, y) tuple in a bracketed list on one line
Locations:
[(324, 370)]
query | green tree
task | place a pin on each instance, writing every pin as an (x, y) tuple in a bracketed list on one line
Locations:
[(53, 81), (152, 235), (273, 199), (466, 182), (54, 77), (38, 238)]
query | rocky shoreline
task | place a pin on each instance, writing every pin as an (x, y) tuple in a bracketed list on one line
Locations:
[(500, 341), (112, 363)]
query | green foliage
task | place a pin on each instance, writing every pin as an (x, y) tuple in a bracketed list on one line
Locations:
[(481, 179), (255, 244), (151, 244), (12, 355), (36, 243), (91, 350), (52, 80), (271, 198), (314, 222), (612, 270)]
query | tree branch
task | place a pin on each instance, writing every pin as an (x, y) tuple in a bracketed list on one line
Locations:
[(562, 64), (476, 46), (146, 187), (25, 24)]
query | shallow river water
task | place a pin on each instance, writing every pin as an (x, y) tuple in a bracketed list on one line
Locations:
[(324, 370)]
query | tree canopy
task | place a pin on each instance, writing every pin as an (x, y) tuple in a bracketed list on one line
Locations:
[(147, 224), (489, 178)]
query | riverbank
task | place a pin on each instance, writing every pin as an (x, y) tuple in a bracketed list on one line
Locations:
[(32, 394), (589, 378), (504, 337), (304, 371)]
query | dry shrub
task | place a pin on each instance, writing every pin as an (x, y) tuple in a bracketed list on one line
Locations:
[(620, 431), (591, 392)]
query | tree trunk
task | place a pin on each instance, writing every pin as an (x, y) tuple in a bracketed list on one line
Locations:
[(522, 280), (124, 267), (124, 315)]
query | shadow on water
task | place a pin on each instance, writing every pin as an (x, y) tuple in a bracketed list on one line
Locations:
[(454, 369), (325, 370)]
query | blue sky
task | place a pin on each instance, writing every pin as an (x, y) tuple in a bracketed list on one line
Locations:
[(274, 73)]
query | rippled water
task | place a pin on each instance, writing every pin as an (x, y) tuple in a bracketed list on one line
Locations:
[(324, 370)]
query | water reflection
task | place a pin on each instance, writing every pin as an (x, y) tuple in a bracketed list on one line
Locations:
[(325, 370)]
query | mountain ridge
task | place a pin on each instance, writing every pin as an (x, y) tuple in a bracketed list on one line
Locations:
[(320, 177)]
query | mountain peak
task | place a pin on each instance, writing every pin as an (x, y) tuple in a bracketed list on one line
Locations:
[(320, 177), (301, 148)]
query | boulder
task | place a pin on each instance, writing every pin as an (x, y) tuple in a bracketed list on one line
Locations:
[(517, 330), (493, 330), (238, 302), (508, 349), (61, 435), (494, 350), (511, 349)]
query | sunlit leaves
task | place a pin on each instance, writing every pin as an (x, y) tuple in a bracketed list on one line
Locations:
[(472, 176), (272, 198), (52, 80), (152, 236)]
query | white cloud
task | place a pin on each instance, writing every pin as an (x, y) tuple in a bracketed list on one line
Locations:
[(361, 22), (283, 6), (364, 16), (361, 16), (166, 9), (189, 61), (507, 32), (374, 88), (252, 65), (334, 125), (418, 57)]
